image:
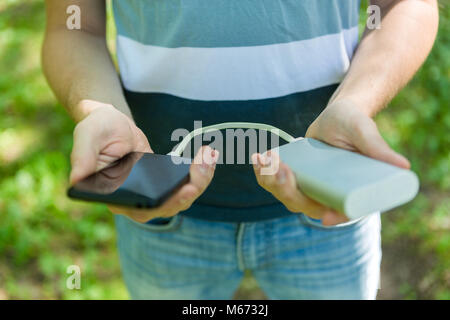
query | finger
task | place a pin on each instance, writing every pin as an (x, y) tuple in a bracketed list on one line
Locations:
[(84, 153), (116, 209), (370, 142), (266, 166), (201, 174), (295, 200), (139, 215), (179, 201), (283, 186), (333, 218), (275, 182), (142, 144), (202, 167)]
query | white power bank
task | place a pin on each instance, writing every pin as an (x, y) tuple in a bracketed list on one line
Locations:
[(346, 181)]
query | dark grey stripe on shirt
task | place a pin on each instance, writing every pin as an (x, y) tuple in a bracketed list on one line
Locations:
[(234, 185)]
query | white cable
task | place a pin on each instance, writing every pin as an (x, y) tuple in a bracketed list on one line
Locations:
[(230, 125)]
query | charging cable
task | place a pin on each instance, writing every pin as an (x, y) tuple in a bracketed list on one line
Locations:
[(230, 125)]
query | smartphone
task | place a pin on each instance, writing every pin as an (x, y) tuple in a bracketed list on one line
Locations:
[(138, 180)]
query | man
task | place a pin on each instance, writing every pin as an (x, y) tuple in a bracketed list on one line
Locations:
[(288, 63)]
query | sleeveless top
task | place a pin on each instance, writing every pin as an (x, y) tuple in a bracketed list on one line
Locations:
[(268, 61)]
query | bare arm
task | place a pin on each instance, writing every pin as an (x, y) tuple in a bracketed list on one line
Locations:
[(384, 62), (79, 69), (388, 57), (77, 63)]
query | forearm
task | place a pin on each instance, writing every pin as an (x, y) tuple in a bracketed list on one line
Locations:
[(387, 58), (78, 67)]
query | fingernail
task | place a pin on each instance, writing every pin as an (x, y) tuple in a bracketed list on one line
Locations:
[(265, 160), (207, 162), (214, 156)]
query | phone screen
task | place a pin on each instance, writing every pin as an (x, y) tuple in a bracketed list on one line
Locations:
[(141, 180)]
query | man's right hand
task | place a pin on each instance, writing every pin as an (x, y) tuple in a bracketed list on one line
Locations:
[(102, 137), (106, 135), (200, 173)]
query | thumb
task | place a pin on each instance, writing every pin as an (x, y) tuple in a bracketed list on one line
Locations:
[(84, 154), (370, 143)]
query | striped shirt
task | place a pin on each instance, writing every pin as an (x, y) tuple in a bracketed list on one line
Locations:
[(268, 61)]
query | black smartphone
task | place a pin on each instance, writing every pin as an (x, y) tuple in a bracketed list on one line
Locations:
[(139, 180)]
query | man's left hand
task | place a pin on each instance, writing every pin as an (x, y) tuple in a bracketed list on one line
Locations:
[(342, 124)]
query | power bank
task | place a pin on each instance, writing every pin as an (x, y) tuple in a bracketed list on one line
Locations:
[(140, 180), (346, 181)]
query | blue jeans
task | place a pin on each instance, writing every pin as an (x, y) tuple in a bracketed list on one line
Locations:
[(293, 257)]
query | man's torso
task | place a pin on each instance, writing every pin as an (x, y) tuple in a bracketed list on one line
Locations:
[(267, 61)]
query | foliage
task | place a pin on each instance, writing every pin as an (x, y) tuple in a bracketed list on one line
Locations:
[(42, 232), (417, 124)]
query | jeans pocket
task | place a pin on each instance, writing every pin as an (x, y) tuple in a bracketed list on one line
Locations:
[(315, 223), (159, 224)]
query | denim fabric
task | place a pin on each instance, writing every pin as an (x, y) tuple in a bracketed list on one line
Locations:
[(293, 257)]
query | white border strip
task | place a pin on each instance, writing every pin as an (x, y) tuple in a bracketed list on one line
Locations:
[(236, 73)]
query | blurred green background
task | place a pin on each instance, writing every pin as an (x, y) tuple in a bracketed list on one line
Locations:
[(42, 232)]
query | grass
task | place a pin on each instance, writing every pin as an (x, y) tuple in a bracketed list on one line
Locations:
[(42, 232)]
